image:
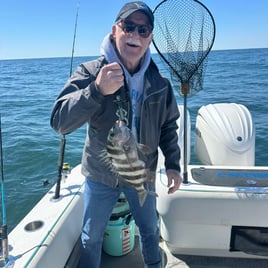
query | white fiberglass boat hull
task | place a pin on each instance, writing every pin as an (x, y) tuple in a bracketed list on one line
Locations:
[(198, 219), (59, 223)]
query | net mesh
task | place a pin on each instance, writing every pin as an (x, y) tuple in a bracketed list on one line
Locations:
[(184, 33)]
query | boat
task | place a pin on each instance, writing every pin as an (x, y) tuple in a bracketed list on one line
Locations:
[(216, 218)]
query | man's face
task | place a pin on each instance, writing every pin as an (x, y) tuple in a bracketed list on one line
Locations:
[(132, 38)]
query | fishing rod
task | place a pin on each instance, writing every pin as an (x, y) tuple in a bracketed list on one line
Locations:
[(63, 139), (74, 37), (4, 218)]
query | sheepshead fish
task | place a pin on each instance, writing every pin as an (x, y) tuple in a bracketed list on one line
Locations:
[(123, 152)]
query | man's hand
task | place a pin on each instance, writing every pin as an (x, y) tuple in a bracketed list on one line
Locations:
[(174, 179), (110, 78)]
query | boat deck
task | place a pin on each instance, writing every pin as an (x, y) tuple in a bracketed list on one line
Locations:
[(134, 260)]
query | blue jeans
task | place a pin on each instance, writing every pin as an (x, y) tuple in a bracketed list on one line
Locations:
[(99, 202)]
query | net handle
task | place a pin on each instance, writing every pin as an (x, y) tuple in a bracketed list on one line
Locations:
[(185, 85)]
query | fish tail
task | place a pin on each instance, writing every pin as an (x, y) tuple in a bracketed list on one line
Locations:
[(151, 181), (153, 193), (142, 197)]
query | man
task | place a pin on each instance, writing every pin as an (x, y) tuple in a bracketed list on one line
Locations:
[(124, 72)]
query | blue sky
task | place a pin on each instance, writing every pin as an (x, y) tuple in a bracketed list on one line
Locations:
[(45, 28)]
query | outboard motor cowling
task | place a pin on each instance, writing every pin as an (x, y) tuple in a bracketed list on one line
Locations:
[(225, 135)]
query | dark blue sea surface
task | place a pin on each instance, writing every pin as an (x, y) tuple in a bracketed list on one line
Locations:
[(28, 88)]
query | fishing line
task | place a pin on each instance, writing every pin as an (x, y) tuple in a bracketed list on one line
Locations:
[(2, 176), (63, 139), (75, 26)]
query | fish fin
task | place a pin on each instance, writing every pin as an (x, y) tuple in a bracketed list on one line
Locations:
[(153, 193), (142, 197), (125, 148), (150, 176), (104, 157), (151, 182), (144, 149), (150, 179)]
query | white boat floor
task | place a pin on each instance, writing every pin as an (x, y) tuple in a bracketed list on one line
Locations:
[(134, 260)]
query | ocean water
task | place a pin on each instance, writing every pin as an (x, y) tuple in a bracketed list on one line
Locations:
[(28, 88)]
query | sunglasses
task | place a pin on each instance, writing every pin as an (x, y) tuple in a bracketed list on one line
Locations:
[(129, 27)]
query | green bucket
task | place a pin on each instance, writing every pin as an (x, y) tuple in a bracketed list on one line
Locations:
[(119, 236)]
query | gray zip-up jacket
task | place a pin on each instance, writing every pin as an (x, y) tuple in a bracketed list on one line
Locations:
[(81, 102)]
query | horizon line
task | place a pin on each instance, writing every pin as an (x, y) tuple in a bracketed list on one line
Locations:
[(83, 56)]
